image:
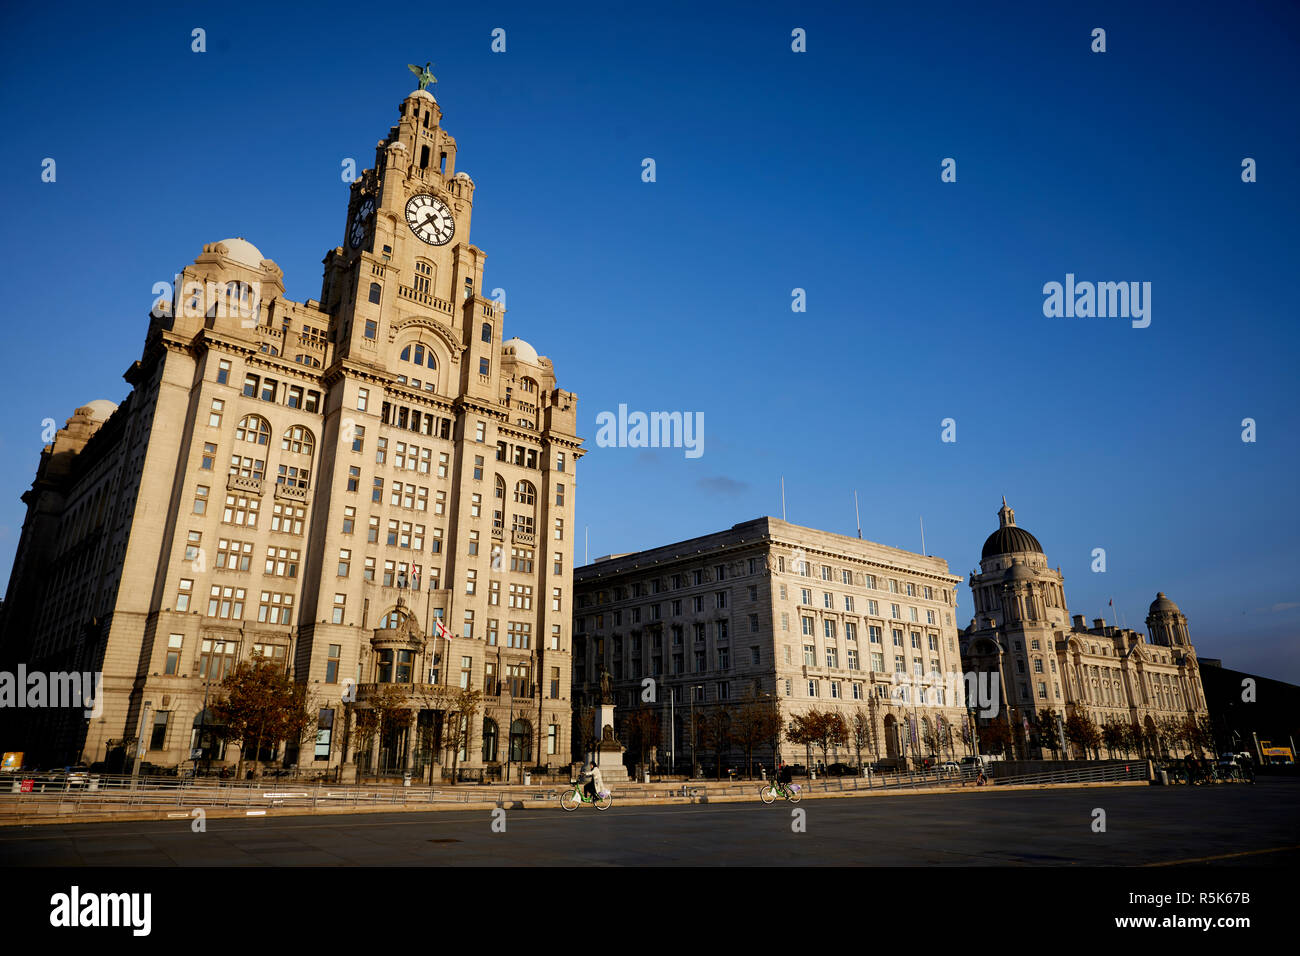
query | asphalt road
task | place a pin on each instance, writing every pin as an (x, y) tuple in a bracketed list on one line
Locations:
[(1223, 825)]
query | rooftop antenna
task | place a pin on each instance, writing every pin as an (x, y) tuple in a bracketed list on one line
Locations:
[(783, 497), (922, 535), (856, 513)]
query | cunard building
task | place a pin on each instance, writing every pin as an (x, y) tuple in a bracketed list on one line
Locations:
[(1048, 662), (768, 614), (374, 491)]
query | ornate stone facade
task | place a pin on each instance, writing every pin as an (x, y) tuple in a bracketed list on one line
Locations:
[(375, 489), (1049, 662), (779, 615)]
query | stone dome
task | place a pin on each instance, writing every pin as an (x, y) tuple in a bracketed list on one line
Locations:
[(519, 350), (1010, 540), (1019, 571), (1162, 604), (100, 409), (242, 251)]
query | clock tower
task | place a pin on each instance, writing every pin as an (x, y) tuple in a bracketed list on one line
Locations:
[(407, 259)]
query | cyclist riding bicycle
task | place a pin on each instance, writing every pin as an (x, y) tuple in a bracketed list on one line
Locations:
[(595, 785), (784, 776)]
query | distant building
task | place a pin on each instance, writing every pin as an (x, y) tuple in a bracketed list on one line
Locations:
[(771, 612), (1047, 661), (1251, 712)]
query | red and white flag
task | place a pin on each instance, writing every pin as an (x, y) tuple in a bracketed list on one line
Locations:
[(442, 630)]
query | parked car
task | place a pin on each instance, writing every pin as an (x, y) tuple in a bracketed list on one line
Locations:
[(798, 769), (74, 776), (949, 766), (839, 770)]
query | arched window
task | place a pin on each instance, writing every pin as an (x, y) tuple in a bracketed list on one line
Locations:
[(487, 331), (394, 619), (489, 740), (528, 385), (521, 741), (501, 488), (308, 360), (419, 354), (253, 428), (422, 280), (299, 441), (270, 349), (374, 292), (525, 493)]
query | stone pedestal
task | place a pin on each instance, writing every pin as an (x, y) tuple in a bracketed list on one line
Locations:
[(609, 752)]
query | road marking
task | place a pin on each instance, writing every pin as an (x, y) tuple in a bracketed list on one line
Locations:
[(1224, 856)]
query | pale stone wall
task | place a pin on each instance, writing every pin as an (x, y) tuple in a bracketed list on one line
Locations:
[(486, 389)]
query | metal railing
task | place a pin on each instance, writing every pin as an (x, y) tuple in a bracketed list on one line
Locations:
[(70, 795)]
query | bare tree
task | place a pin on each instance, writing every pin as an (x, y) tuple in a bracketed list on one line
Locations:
[(860, 730), (757, 721)]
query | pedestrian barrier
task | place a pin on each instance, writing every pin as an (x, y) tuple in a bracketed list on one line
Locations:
[(77, 794)]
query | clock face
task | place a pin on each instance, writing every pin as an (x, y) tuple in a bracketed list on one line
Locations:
[(357, 232), (430, 219)]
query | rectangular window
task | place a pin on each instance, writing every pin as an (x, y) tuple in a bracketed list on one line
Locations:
[(174, 645), (372, 329), (340, 606), (159, 735), (183, 592), (201, 499), (226, 603)]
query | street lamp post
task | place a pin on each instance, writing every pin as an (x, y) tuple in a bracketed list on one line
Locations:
[(510, 728), (139, 743), (694, 733), (1006, 703), (219, 647)]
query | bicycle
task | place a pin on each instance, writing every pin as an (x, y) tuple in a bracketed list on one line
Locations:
[(770, 791), (576, 796)]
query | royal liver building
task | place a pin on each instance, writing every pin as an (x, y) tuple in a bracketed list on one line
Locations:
[(374, 491)]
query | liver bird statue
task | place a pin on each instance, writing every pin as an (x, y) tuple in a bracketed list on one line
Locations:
[(425, 76)]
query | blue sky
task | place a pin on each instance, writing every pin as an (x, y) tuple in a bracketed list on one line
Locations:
[(775, 171)]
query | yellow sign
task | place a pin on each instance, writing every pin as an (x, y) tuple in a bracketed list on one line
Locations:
[(12, 760)]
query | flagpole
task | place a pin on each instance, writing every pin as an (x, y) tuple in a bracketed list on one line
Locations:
[(922, 520), (856, 513), (783, 497)]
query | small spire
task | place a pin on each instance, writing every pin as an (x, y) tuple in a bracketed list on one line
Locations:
[(1006, 517)]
